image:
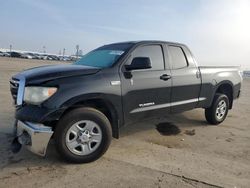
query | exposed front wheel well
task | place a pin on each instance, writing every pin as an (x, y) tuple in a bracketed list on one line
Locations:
[(227, 90)]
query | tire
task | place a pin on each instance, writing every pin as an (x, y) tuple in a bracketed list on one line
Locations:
[(217, 113), (83, 135)]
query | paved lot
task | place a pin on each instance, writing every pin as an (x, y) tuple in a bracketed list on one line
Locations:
[(174, 151)]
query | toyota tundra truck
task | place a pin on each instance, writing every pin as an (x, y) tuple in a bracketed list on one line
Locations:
[(83, 105)]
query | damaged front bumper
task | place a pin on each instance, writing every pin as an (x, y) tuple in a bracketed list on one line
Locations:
[(35, 137)]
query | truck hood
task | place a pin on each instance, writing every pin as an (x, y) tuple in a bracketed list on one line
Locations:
[(50, 72)]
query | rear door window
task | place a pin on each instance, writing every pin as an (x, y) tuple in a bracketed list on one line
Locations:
[(178, 57)]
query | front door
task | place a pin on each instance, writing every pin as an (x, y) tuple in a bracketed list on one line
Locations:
[(146, 93)]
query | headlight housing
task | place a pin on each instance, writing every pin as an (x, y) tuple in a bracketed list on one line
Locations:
[(36, 95)]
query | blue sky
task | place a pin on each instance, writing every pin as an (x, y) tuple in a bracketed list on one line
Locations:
[(215, 30)]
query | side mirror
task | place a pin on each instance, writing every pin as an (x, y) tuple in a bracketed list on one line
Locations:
[(139, 63)]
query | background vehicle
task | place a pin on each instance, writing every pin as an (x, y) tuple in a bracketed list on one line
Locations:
[(15, 54), (47, 57), (28, 56), (86, 103), (5, 54), (39, 56)]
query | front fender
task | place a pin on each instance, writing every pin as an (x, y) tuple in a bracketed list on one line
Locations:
[(112, 103)]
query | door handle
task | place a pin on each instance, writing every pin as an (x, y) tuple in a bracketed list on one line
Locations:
[(198, 74), (165, 77)]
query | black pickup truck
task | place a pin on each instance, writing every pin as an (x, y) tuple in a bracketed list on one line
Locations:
[(82, 105)]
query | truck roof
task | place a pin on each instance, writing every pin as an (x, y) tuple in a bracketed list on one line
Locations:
[(147, 42)]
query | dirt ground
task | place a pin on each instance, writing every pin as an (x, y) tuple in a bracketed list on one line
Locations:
[(175, 151)]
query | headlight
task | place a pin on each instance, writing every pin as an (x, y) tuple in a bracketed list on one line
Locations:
[(36, 95)]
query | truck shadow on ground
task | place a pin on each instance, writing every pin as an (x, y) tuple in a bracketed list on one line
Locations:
[(168, 125)]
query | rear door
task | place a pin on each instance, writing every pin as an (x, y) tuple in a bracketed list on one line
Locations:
[(145, 93), (186, 79)]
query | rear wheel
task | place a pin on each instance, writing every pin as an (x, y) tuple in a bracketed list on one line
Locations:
[(83, 135), (217, 113)]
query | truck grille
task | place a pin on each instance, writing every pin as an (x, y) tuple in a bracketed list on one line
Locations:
[(14, 84)]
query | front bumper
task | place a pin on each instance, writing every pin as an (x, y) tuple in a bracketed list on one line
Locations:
[(35, 137), (33, 113)]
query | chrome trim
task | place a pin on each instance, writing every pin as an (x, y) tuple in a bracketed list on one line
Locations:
[(14, 81), (115, 83), (14, 84), (39, 135), (154, 107), (20, 92), (147, 104)]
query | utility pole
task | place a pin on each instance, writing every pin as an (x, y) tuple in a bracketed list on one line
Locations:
[(80, 53), (63, 52), (44, 49), (10, 48), (77, 51)]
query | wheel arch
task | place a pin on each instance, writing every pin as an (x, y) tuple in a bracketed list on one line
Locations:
[(226, 88), (103, 105)]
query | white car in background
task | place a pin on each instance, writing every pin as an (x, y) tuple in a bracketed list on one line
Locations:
[(27, 56), (4, 54), (46, 57), (39, 56)]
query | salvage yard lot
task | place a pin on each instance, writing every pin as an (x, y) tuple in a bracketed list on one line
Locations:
[(175, 151)]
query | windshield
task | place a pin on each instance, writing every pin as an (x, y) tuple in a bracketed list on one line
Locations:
[(100, 58), (104, 56)]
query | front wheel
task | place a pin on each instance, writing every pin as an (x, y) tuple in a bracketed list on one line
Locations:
[(83, 135), (217, 113)]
